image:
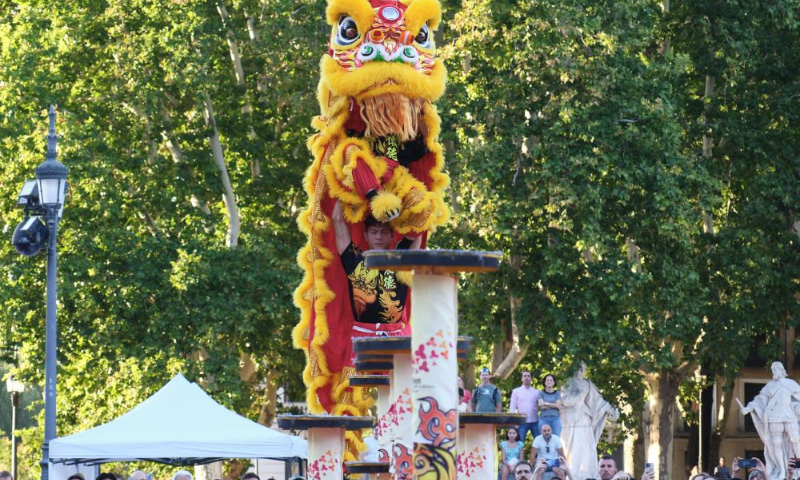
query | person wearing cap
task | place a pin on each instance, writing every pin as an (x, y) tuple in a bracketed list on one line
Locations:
[(486, 398)]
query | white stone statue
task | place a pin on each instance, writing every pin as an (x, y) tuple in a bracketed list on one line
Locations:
[(775, 412), (583, 419)]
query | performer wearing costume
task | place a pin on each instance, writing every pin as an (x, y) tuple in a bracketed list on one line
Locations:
[(376, 153), (378, 297)]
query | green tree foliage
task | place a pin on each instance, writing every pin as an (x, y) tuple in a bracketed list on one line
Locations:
[(577, 147), (636, 162), (176, 251)]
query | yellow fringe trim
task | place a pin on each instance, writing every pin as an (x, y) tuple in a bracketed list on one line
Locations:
[(421, 11), (339, 183)]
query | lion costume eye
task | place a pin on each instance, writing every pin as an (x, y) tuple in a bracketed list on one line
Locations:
[(347, 33), (423, 37)]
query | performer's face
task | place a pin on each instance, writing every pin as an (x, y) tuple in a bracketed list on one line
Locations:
[(378, 237)]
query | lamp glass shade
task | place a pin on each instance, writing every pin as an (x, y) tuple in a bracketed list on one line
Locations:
[(51, 191), (52, 178), (14, 386)]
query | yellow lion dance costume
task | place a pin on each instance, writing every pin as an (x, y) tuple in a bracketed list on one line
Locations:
[(377, 152)]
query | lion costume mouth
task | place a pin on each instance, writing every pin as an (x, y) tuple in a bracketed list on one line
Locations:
[(392, 114)]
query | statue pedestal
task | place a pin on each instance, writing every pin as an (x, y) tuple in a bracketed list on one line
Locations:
[(326, 444)]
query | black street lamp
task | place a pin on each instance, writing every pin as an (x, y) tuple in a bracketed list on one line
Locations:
[(43, 201), (15, 389)]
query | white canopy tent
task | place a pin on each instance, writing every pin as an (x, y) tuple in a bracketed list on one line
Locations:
[(180, 425)]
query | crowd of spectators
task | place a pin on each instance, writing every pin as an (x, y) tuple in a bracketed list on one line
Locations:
[(545, 460), (140, 475)]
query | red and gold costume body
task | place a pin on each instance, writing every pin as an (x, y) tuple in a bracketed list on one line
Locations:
[(379, 79)]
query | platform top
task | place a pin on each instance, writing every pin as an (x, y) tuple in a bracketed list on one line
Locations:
[(305, 422), (371, 357), (500, 419), (397, 345), (366, 467), (373, 366), (433, 261), (369, 380)]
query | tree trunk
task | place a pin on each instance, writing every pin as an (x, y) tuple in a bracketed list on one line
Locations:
[(233, 47), (267, 415), (152, 149), (723, 409), (177, 156), (665, 45), (210, 471), (708, 141), (228, 197), (513, 353), (236, 58), (634, 450), (634, 256), (663, 386)]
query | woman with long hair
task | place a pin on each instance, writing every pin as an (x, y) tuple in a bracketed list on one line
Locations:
[(511, 453)]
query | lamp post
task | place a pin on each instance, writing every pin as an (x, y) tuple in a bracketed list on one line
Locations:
[(43, 202), (14, 388)]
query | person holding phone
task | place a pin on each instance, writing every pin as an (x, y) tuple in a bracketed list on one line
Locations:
[(548, 447), (759, 470), (649, 472), (794, 465)]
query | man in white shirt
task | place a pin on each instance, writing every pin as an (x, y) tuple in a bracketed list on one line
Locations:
[(548, 446)]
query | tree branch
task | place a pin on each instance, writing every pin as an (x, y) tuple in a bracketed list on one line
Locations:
[(152, 151), (228, 197)]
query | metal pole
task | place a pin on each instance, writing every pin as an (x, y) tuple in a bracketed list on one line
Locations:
[(50, 342), (14, 405), (700, 434)]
